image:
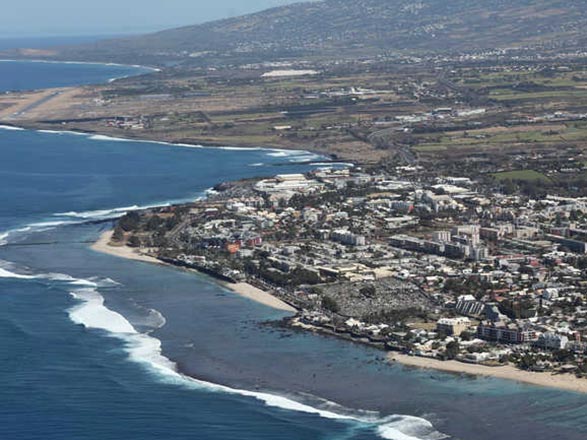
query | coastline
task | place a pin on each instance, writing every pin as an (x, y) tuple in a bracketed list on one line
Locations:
[(41, 128), (102, 245), (91, 63), (565, 382)]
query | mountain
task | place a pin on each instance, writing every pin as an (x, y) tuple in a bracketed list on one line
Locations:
[(361, 27)]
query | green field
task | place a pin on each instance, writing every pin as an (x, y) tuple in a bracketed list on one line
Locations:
[(522, 175)]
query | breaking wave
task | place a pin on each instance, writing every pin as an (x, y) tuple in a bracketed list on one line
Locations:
[(141, 348), (146, 350), (101, 137), (5, 235), (10, 128)]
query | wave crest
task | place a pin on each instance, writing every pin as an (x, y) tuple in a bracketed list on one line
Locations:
[(146, 350)]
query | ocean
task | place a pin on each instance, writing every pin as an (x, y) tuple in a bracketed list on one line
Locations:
[(99, 348)]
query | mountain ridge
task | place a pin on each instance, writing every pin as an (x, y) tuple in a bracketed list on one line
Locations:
[(372, 26)]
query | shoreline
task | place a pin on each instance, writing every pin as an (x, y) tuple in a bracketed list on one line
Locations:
[(102, 245), (40, 128), (245, 290), (564, 382), (91, 63)]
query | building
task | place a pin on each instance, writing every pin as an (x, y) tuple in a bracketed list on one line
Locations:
[(346, 237), (552, 341), (507, 333), (442, 236), (470, 307), (453, 326), (577, 246)]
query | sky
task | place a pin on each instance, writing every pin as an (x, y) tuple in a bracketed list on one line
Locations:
[(24, 18)]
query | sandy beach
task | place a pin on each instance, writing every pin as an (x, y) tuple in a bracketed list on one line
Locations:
[(103, 246), (260, 296), (567, 382), (243, 289)]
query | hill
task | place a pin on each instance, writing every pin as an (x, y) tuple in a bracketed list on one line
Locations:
[(360, 27)]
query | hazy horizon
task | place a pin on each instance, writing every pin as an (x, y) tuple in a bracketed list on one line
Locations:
[(31, 18)]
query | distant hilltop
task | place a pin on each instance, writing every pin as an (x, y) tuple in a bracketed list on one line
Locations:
[(354, 28)]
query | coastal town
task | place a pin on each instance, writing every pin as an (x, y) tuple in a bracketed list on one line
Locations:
[(452, 228), (408, 260)]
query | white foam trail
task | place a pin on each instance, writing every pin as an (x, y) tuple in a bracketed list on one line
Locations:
[(100, 213), (332, 164), (10, 128), (280, 154), (52, 224), (409, 428), (51, 131), (82, 63), (101, 137), (7, 274), (94, 315), (4, 236), (306, 158), (146, 350), (107, 214), (242, 148), (62, 132)]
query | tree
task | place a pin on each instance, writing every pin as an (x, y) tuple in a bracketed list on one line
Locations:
[(130, 221), (330, 304), (466, 336), (118, 234), (452, 350), (134, 241), (368, 291)]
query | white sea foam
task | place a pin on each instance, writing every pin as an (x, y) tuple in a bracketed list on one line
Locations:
[(281, 154), (4, 273), (107, 214), (186, 145), (7, 271), (100, 213), (306, 158), (51, 131), (101, 137), (51, 224), (332, 164), (146, 350), (241, 148), (82, 63), (92, 314), (143, 349), (10, 128), (294, 156), (4, 235)]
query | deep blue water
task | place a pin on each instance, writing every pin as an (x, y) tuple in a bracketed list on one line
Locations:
[(24, 75), (87, 338), (48, 42)]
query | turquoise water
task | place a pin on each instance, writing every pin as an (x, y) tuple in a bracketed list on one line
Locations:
[(97, 348)]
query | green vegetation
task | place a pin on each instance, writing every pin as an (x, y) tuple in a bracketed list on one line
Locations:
[(521, 176), (330, 304)]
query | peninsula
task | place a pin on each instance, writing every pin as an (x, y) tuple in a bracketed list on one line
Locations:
[(459, 233), (433, 268)]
